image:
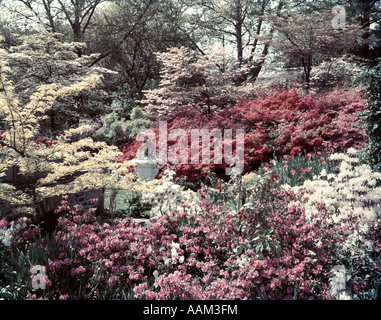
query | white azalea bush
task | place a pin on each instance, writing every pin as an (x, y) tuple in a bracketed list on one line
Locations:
[(335, 71), (351, 197), (168, 195), (352, 192)]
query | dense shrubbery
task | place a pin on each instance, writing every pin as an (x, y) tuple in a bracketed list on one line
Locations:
[(371, 115), (284, 123), (278, 232), (300, 221), (249, 240)]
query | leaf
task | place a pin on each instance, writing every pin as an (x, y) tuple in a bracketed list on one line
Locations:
[(259, 248), (240, 249)]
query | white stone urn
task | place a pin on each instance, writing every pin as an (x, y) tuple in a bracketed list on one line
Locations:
[(146, 169)]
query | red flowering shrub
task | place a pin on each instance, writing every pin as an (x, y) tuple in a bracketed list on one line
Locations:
[(331, 123), (280, 124)]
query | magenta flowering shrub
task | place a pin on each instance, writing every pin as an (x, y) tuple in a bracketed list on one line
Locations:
[(97, 257), (307, 250), (266, 250), (281, 123)]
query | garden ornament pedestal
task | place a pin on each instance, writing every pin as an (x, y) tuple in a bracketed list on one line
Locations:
[(146, 169)]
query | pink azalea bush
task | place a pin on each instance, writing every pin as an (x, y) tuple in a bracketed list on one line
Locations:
[(266, 250)]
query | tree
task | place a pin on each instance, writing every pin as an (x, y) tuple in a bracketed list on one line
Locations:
[(310, 38), (128, 33), (367, 13), (244, 24), (71, 163), (204, 82), (231, 20), (53, 14), (42, 59)]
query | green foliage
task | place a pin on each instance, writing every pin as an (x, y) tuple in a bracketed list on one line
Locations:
[(14, 275), (116, 131), (125, 203), (15, 268), (137, 123), (113, 131), (136, 207), (372, 115)]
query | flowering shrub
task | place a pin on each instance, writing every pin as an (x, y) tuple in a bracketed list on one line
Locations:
[(283, 123), (169, 195), (297, 124), (352, 199), (13, 233), (88, 259), (202, 82), (150, 199), (271, 245), (352, 192), (335, 72)]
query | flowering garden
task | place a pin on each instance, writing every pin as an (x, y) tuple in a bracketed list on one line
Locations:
[(302, 221)]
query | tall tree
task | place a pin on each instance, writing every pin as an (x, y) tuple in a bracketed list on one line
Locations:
[(127, 34), (309, 38), (242, 23), (54, 14), (230, 20), (368, 14)]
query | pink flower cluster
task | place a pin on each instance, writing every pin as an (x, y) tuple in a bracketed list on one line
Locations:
[(3, 224), (270, 251)]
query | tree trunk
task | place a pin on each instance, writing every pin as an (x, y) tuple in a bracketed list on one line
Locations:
[(307, 71), (238, 34), (77, 28), (363, 9), (48, 11), (254, 72), (52, 121)]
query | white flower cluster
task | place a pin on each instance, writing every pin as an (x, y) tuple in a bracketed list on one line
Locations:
[(168, 196), (242, 260), (338, 283), (174, 255), (8, 235), (352, 191)]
